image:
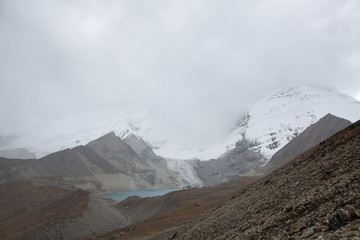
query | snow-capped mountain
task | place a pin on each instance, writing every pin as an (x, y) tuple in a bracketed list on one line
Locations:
[(269, 125), (274, 121)]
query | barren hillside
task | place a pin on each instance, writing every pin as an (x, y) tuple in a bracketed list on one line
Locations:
[(315, 196), (27, 206)]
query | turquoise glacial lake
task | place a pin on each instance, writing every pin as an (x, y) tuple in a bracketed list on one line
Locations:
[(120, 196)]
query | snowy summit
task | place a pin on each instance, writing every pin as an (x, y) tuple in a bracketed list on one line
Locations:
[(274, 121)]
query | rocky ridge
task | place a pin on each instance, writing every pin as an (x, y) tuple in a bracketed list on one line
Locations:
[(310, 197), (105, 164), (311, 136), (244, 161)]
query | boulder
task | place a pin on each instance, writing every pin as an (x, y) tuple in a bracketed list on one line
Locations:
[(339, 219)]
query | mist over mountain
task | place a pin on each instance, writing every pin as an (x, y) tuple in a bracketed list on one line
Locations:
[(268, 125), (218, 98), (17, 153), (284, 114), (244, 160), (70, 66)]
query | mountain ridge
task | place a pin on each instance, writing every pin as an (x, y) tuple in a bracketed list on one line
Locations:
[(303, 199), (290, 109), (311, 136), (105, 164), (243, 160), (275, 120)]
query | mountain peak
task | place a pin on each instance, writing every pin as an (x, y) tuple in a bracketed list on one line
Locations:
[(274, 121), (110, 140), (331, 116), (140, 146), (306, 93), (110, 135)]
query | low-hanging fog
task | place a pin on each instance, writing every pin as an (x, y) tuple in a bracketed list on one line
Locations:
[(196, 64)]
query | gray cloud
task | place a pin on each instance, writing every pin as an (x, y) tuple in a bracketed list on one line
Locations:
[(189, 60)]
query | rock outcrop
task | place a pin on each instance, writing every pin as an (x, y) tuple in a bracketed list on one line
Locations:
[(240, 161)]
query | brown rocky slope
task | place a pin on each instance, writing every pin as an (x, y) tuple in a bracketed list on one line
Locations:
[(315, 196), (28, 206), (158, 216), (177, 207), (48, 208)]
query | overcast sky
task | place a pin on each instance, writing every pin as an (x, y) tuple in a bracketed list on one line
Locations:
[(193, 57)]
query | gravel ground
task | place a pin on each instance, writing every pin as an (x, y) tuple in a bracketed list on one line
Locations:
[(100, 217)]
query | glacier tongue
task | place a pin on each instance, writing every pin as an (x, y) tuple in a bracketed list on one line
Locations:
[(184, 172)]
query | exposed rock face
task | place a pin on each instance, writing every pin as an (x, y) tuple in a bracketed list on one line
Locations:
[(140, 146), (69, 162), (105, 164), (147, 169), (244, 161), (73, 162), (13, 169), (117, 153), (313, 135), (240, 161), (302, 194)]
